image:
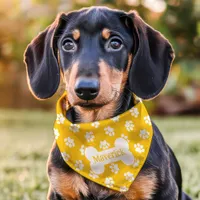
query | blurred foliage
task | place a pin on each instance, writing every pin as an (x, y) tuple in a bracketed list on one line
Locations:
[(21, 20)]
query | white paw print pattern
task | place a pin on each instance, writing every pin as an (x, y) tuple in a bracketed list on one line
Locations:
[(134, 112), (123, 189), (144, 134), (89, 136), (129, 176), (147, 120), (74, 128), (79, 165), (139, 148), (82, 150), (69, 142), (93, 175), (109, 182), (95, 124), (129, 125), (56, 133), (60, 119), (114, 168), (115, 119), (125, 137), (65, 156), (109, 131), (136, 163), (104, 144)]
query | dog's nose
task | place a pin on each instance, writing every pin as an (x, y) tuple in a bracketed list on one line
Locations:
[(87, 88)]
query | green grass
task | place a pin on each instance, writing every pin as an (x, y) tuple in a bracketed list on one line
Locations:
[(26, 138)]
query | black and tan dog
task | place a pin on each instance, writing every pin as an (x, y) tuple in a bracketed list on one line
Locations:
[(104, 56)]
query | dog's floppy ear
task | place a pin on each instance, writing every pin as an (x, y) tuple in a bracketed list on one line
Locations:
[(43, 72), (151, 63)]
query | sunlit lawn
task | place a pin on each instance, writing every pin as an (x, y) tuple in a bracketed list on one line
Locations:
[(26, 138)]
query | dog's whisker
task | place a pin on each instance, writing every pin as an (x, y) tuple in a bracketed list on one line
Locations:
[(114, 89), (119, 103), (128, 89)]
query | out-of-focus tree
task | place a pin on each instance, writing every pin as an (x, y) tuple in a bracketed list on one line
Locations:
[(181, 21), (182, 17)]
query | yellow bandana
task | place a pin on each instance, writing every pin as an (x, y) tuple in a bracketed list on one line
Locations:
[(109, 152)]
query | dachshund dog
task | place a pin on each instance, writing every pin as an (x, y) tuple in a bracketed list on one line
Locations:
[(104, 56)]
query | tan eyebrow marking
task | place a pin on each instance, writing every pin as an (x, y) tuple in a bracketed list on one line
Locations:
[(76, 34), (106, 33)]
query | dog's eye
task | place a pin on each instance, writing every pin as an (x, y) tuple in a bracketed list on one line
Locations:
[(68, 45), (115, 43)]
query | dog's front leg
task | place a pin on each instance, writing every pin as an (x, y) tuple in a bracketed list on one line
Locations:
[(52, 195), (169, 191), (65, 184)]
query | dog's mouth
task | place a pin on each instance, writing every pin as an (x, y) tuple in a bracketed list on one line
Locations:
[(93, 105), (89, 105)]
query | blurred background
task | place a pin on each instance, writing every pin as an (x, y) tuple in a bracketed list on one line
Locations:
[(26, 124), (178, 20)]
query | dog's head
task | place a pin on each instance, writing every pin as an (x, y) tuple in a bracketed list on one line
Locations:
[(99, 52)]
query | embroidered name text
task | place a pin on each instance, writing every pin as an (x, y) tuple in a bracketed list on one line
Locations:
[(116, 153)]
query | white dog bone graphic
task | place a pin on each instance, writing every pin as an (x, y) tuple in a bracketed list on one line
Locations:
[(117, 153)]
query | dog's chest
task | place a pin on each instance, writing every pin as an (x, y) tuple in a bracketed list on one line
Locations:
[(71, 185)]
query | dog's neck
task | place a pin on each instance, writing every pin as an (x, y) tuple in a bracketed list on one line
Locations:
[(81, 115)]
